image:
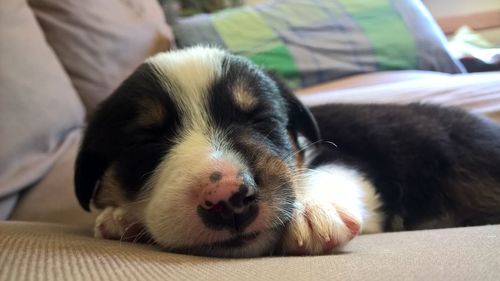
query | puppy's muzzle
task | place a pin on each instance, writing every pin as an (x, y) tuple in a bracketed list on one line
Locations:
[(227, 198)]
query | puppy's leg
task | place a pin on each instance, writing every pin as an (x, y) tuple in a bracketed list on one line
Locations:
[(113, 223), (334, 204)]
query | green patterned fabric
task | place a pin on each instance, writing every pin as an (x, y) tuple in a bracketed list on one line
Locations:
[(384, 28), (313, 41)]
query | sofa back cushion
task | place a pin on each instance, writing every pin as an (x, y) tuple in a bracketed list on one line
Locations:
[(39, 107), (101, 42)]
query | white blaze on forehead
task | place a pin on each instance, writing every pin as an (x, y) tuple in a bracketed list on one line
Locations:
[(171, 215), (187, 75)]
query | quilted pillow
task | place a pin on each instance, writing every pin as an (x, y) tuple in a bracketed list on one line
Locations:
[(313, 41)]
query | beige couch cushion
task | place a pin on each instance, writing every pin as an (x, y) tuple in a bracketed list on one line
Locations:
[(102, 42), (38, 105), (32, 251)]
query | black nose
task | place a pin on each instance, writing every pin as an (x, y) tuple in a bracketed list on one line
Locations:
[(244, 197), (235, 214)]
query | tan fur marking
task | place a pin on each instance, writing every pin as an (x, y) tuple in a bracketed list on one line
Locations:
[(243, 98), (275, 170), (150, 113), (110, 193)]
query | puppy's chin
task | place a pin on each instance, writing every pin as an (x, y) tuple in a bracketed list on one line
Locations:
[(189, 235), (245, 245)]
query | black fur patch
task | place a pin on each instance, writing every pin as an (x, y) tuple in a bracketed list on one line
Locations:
[(417, 156), (277, 111)]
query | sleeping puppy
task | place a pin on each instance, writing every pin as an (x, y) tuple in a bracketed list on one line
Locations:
[(201, 152)]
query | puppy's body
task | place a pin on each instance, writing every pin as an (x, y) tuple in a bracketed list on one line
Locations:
[(432, 166), (200, 151)]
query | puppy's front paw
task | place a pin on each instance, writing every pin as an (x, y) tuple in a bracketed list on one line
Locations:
[(319, 228), (112, 223)]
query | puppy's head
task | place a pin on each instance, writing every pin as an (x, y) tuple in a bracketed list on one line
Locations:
[(200, 147)]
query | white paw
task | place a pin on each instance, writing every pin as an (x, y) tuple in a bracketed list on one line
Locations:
[(330, 211), (112, 223), (319, 228)]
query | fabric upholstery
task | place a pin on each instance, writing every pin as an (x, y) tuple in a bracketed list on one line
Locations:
[(101, 42), (38, 105), (53, 198), (7, 204), (370, 79), (478, 92), (310, 42), (32, 251)]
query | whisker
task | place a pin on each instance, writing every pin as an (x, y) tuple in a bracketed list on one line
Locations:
[(122, 237), (145, 175), (140, 235), (150, 242), (332, 143), (270, 131), (309, 146)]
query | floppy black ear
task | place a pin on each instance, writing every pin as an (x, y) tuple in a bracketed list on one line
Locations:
[(300, 119), (88, 170), (102, 142), (96, 150)]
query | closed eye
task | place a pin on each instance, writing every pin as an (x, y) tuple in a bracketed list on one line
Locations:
[(261, 117)]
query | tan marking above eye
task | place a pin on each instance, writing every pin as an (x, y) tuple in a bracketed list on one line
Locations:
[(243, 98)]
